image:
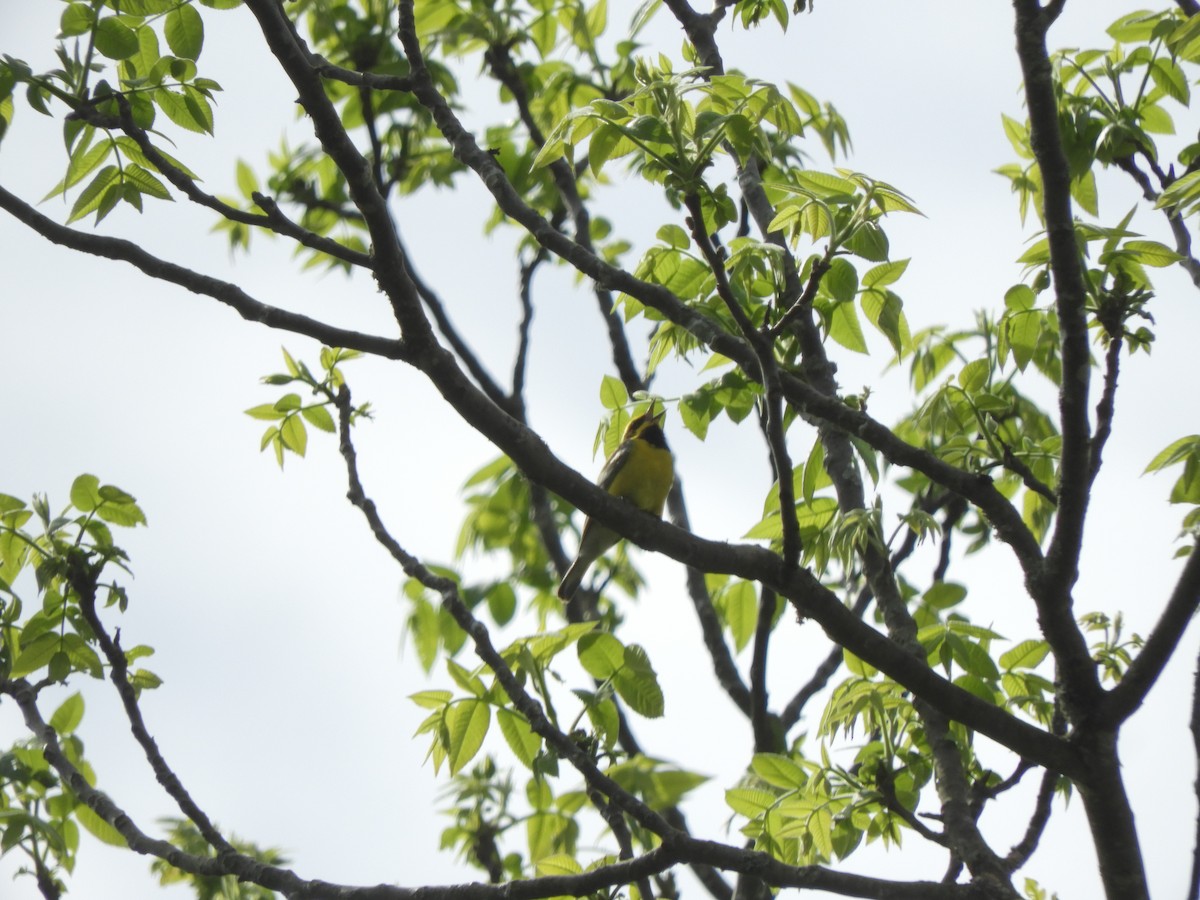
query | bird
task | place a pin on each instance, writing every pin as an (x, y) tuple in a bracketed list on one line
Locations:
[(641, 470)]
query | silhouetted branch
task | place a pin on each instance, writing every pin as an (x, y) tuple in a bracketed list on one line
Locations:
[(1020, 854), (1051, 587), (229, 294), (274, 220), (768, 737), (1124, 699), (83, 580)]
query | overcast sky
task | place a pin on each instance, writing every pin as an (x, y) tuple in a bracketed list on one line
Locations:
[(276, 618)]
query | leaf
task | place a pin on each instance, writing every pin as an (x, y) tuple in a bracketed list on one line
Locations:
[(524, 742), (674, 236), (750, 802), (85, 493), (1026, 655), (319, 417), (845, 328), (637, 684), (558, 864), (885, 274), (265, 411), (37, 654), (92, 196), (778, 770), (467, 724), (294, 435), (600, 654), (974, 375), (741, 612), (1152, 253), (1174, 452), (76, 19), (841, 281), (115, 39), (612, 393), (184, 30)]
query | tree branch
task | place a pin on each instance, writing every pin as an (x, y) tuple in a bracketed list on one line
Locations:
[(274, 220), (83, 581), (1020, 854), (231, 295), (1124, 699), (768, 736), (1051, 589)]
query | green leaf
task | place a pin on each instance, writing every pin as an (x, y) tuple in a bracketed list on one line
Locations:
[(294, 434), (750, 802), (68, 715), (885, 274), (76, 19), (637, 684), (1174, 452), (85, 493), (467, 724), (185, 31), (1026, 655), (600, 654), (1152, 253), (841, 281), (431, 699), (974, 375), (524, 742), (779, 771), (845, 328), (91, 198), (115, 39), (674, 236), (319, 417), (265, 411), (37, 654), (612, 393), (741, 612), (558, 864)]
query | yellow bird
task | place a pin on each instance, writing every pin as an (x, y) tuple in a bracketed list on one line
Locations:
[(640, 471)]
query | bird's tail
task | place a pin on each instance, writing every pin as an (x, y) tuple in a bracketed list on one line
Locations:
[(573, 578)]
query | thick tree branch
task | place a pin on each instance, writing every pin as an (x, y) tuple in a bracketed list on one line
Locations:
[(390, 269), (1052, 588), (229, 294)]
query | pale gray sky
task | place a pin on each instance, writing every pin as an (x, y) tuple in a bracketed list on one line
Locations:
[(276, 618)]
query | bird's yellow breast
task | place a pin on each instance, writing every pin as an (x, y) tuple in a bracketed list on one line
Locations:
[(645, 478)]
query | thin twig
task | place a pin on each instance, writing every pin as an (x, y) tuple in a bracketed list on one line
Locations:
[(768, 737), (1020, 854)]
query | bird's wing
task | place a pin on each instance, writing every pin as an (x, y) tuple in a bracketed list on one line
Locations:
[(614, 465)]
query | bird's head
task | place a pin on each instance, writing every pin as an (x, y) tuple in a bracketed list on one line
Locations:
[(648, 427)]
